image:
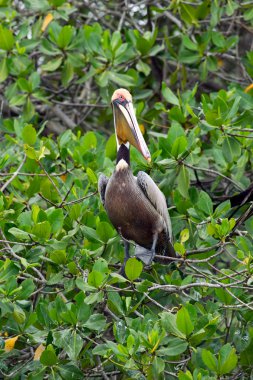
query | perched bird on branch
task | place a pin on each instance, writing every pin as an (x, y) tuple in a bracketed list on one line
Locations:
[(135, 205)]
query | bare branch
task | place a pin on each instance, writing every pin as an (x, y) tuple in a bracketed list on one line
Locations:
[(14, 175)]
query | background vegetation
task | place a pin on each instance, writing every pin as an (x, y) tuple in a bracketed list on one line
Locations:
[(65, 312)]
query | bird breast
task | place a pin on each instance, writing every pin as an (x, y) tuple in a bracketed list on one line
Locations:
[(129, 210)]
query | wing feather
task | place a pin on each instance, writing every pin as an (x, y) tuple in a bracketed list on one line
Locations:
[(156, 197), (102, 183)]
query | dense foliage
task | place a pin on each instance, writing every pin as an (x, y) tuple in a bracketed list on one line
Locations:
[(65, 311)]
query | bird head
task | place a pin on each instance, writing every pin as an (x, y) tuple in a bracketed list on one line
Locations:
[(126, 126)]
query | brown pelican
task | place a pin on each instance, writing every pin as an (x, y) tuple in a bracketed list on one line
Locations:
[(135, 205)]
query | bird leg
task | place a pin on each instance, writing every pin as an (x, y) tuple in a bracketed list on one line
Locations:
[(152, 251)]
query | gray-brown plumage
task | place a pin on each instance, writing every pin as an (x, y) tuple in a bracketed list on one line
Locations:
[(135, 205)]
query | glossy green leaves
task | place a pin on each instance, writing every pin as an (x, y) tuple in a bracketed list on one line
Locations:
[(6, 39), (63, 298), (133, 268), (226, 362)]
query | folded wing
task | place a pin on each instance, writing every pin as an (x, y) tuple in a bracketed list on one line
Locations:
[(156, 198), (102, 183)]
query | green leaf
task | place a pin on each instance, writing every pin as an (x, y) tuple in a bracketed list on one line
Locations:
[(115, 40), (189, 44), (103, 79), (224, 296), (34, 80), (231, 149), (175, 131), (101, 265), (69, 371), (183, 180), (27, 288), (7, 269), (95, 278), (179, 248), (227, 359), (58, 256), (248, 15), (42, 230), (184, 235), (92, 176), (90, 234), (234, 109), (67, 74), (231, 7), (65, 138), (74, 345), (96, 322), (18, 100), (115, 303), (52, 65), (184, 322), (94, 298), (29, 110), (6, 39), (30, 152), (222, 209), (34, 154), (20, 234), (179, 146), (185, 376), (143, 67), (121, 79), (65, 36), (205, 203), (57, 3), (89, 141), (210, 360), (246, 356), (24, 85), (19, 314), (29, 134), (170, 325), (48, 358), (174, 347), (100, 349), (105, 231), (218, 39), (133, 268), (56, 219), (158, 366), (188, 14), (3, 70), (169, 96), (189, 57), (111, 147)]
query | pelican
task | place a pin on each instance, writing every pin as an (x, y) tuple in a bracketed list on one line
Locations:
[(135, 205)]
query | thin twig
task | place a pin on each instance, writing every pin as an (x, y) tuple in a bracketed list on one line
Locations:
[(216, 173), (82, 105), (79, 200), (16, 242), (20, 258), (50, 179), (14, 175)]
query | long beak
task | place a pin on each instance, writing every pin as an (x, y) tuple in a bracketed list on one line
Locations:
[(127, 128)]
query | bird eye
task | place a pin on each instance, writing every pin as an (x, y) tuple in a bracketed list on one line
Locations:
[(121, 97)]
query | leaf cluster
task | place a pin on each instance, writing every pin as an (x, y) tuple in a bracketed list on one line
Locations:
[(66, 312)]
